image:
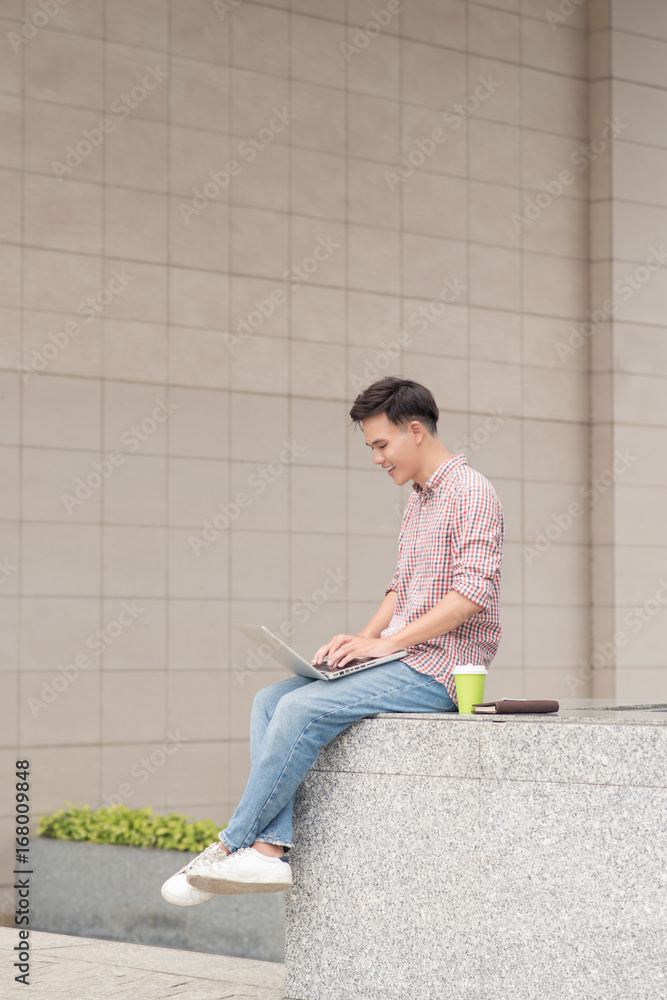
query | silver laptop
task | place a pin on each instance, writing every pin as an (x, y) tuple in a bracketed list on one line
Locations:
[(288, 658)]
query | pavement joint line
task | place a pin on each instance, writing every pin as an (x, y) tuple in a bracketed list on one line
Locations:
[(108, 963)]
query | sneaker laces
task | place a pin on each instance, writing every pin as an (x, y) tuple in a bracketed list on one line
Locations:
[(212, 854)]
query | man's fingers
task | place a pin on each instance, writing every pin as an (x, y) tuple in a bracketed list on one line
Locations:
[(323, 651), (341, 652), (334, 645), (331, 647)]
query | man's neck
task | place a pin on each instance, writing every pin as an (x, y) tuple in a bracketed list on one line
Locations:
[(431, 463)]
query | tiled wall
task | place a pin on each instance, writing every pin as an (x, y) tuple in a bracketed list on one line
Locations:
[(161, 349), (628, 48)]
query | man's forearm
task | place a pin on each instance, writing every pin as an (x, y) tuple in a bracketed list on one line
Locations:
[(381, 618), (447, 615)]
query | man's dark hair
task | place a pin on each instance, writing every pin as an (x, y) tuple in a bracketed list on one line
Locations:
[(401, 399)]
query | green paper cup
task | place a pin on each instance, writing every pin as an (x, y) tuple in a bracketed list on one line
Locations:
[(470, 679)]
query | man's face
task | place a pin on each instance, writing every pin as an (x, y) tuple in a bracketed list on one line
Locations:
[(394, 447)]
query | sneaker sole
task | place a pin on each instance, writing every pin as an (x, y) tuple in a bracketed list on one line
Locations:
[(182, 902), (229, 886)]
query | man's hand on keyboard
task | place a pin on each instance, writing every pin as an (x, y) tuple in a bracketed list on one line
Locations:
[(326, 651), (344, 648)]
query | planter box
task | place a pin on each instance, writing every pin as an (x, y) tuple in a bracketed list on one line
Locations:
[(106, 891)]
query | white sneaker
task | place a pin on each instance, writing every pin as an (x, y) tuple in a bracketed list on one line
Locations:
[(176, 889), (246, 870)]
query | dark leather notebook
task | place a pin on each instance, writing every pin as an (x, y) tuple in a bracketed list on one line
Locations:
[(509, 706)]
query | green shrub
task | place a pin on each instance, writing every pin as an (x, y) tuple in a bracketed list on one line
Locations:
[(134, 827)]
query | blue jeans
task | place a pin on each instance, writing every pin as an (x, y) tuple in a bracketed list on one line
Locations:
[(293, 719)]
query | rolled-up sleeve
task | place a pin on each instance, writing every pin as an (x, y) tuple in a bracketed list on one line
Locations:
[(477, 545)]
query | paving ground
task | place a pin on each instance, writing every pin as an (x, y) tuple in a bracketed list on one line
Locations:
[(75, 968)]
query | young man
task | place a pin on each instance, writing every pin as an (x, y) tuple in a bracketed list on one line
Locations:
[(442, 604)]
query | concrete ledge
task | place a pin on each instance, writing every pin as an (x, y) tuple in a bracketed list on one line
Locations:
[(465, 858), (105, 891)]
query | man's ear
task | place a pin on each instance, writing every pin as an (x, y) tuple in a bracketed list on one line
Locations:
[(417, 431)]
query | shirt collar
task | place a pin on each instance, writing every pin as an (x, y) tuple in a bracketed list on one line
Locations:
[(441, 474)]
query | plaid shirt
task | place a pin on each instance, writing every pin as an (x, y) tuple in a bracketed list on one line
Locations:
[(451, 538)]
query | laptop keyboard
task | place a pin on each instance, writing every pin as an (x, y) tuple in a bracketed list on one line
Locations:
[(350, 663)]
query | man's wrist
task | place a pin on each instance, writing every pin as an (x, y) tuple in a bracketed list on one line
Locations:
[(394, 642)]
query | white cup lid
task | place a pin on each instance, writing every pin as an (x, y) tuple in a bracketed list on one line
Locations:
[(470, 668)]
